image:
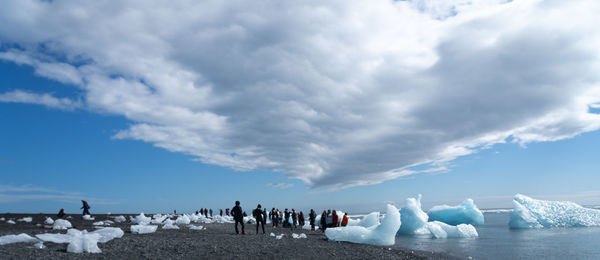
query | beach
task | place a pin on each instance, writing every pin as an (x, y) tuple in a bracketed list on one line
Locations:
[(216, 241)]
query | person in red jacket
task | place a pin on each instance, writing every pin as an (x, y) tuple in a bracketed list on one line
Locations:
[(345, 220), (334, 219)]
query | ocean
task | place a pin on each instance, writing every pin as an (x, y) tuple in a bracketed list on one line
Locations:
[(497, 241)]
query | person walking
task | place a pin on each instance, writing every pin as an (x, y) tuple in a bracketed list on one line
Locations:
[(86, 208), (312, 216), (260, 219), (236, 211), (324, 221), (345, 220)]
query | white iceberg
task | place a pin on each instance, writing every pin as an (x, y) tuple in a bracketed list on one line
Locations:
[(10, 221), (382, 234), (169, 225), (272, 234), (465, 213), (279, 236), (61, 224), (83, 241), (49, 221), (143, 229), (158, 219), (183, 220), (20, 238), (25, 219), (369, 220), (223, 219), (140, 219), (532, 213), (294, 235), (413, 218), (88, 217), (2, 219), (443, 230), (120, 219), (192, 227)]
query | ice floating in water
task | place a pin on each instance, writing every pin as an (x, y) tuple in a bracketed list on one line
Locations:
[(61, 224), (25, 219), (143, 229), (120, 219), (20, 238), (140, 219), (82, 241), (465, 213), (183, 220), (383, 234), (192, 227), (49, 221), (169, 225), (88, 217), (413, 218), (369, 220), (10, 221), (532, 213), (294, 235), (443, 230)]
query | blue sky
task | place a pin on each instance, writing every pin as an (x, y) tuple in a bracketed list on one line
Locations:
[(200, 113)]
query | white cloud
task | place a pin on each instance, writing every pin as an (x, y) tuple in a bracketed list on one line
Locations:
[(19, 96), (336, 93), (280, 185), (14, 193)]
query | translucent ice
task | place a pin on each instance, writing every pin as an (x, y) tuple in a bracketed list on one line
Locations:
[(158, 219), (82, 241), (61, 224), (413, 218), (49, 221), (25, 219), (169, 225), (369, 220), (120, 219), (465, 213), (382, 234), (443, 230), (20, 238), (532, 213), (143, 229), (183, 220), (140, 219)]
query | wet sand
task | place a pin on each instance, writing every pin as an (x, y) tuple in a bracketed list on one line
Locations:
[(217, 241)]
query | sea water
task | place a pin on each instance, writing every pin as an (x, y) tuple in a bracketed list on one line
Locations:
[(497, 241)]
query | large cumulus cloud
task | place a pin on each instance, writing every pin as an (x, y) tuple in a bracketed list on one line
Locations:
[(335, 93)]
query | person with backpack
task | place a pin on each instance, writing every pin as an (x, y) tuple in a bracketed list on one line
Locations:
[(238, 217), (86, 208)]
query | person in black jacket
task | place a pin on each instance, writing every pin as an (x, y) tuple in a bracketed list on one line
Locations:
[(86, 208), (324, 221), (311, 217), (236, 212), (258, 215)]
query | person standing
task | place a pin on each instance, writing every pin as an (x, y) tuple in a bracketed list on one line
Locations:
[(312, 216), (211, 212), (294, 219), (260, 219), (286, 218), (265, 215), (227, 212), (61, 213), (206, 212), (221, 212), (301, 219), (329, 218), (86, 208), (335, 219), (238, 217), (324, 221), (345, 220)]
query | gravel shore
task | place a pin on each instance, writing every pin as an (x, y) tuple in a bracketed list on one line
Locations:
[(217, 241)]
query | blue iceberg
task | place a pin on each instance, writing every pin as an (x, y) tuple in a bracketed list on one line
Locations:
[(465, 213), (532, 213)]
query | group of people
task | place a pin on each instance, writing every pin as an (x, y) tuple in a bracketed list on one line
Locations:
[(330, 218)]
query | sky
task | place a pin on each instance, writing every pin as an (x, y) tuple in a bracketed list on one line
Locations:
[(154, 106)]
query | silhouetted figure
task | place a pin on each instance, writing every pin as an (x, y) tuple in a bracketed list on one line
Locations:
[(201, 211), (238, 217), (227, 211), (312, 216), (206, 212), (174, 212), (86, 208), (286, 218), (61, 213), (274, 217), (221, 212), (301, 219), (258, 215), (324, 221), (211, 212), (294, 219), (265, 215)]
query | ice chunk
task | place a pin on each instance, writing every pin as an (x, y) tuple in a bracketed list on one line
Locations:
[(143, 229), (192, 227), (82, 241), (88, 217), (49, 221), (10, 221), (294, 235), (39, 245), (2, 219), (223, 219), (413, 218), (20, 238), (109, 233), (465, 213), (279, 236), (532, 213), (98, 223), (369, 220), (272, 234), (61, 224), (169, 225), (382, 234), (120, 219), (443, 230), (25, 219), (140, 219), (183, 220), (158, 219)]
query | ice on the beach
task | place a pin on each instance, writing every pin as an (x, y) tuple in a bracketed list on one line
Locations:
[(25, 219), (443, 230), (10, 221), (382, 234), (465, 213), (169, 224), (158, 219), (88, 217), (83, 241), (193, 227), (272, 234), (39, 245), (294, 235), (143, 229), (98, 223), (120, 219), (61, 224), (279, 236), (413, 218), (532, 213), (49, 221), (2, 219), (183, 220), (223, 219), (20, 238), (369, 220), (140, 219)]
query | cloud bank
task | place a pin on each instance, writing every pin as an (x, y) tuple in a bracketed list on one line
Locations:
[(335, 93)]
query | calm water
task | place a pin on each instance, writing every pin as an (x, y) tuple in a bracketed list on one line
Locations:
[(497, 241)]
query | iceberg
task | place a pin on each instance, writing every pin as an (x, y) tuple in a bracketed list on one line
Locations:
[(49, 221), (140, 219), (20, 238), (88, 217), (143, 229), (169, 225), (61, 224), (413, 218), (25, 219), (158, 219), (383, 234), (183, 220), (443, 230), (532, 213), (120, 219), (369, 220), (10, 221), (465, 213), (82, 241), (2, 219)]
